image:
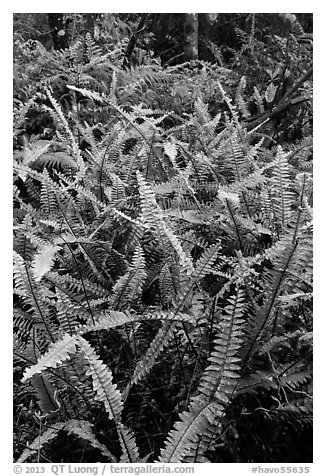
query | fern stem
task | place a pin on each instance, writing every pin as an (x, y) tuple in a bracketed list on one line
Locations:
[(300, 206), (235, 224), (211, 325), (82, 282), (149, 156), (180, 359), (270, 306), (37, 304)]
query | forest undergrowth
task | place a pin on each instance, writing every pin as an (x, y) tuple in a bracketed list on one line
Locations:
[(163, 252)]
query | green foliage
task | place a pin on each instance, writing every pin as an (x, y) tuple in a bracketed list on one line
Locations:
[(162, 255)]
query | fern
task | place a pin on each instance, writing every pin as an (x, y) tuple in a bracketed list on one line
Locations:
[(162, 339), (46, 394), (106, 391), (195, 425), (192, 436), (80, 428), (40, 441), (83, 429), (56, 354), (152, 217), (163, 222), (129, 287), (130, 452), (43, 261), (220, 378), (282, 195)]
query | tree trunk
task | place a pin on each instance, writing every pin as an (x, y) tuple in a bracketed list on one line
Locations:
[(191, 36)]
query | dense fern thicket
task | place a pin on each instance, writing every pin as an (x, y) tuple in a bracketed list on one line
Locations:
[(163, 245)]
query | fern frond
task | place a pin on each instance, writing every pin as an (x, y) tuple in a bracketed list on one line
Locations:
[(161, 340), (106, 390), (259, 100), (67, 313), (44, 260), (130, 452), (23, 323), (83, 192), (295, 380), (69, 284), (204, 266), (57, 353), (184, 258), (83, 429), (46, 394), (48, 198), (28, 290), (35, 150), (196, 425), (237, 158), (113, 319), (192, 436), (129, 287), (151, 215), (282, 194), (40, 441), (168, 282), (94, 96), (250, 182), (117, 192), (22, 244), (228, 101), (65, 124), (284, 256), (220, 378)]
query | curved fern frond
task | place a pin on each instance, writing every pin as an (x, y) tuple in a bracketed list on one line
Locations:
[(76, 152), (112, 319), (237, 159), (129, 287), (29, 291), (68, 284), (283, 256), (282, 193), (228, 101), (259, 100), (57, 353), (49, 205), (193, 435), (204, 266), (162, 339), (83, 429), (66, 313), (196, 425), (220, 378), (152, 217), (106, 390), (130, 452), (40, 441)]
